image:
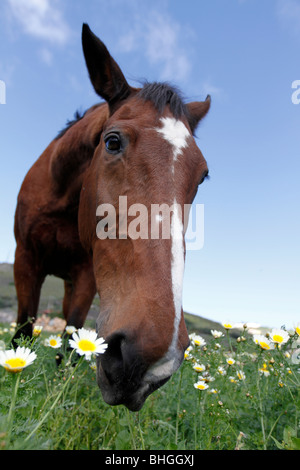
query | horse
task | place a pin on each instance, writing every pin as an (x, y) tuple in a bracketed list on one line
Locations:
[(136, 143)]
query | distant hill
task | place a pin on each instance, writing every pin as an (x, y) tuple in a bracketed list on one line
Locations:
[(51, 302), (51, 296)]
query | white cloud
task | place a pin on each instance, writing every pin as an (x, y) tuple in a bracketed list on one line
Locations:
[(160, 37), (7, 71), (288, 12), (41, 19), (46, 56), (209, 89)]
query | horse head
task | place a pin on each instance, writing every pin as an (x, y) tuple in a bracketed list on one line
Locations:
[(144, 171)]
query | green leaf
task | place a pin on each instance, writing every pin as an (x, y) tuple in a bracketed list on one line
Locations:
[(288, 433), (280, 446), (295, 443), (123, 440)]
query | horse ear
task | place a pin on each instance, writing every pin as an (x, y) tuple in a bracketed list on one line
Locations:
[(197, 110), (105, 74)]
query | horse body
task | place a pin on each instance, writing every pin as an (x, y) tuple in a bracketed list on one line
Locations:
[(46, 223), (139, 146)]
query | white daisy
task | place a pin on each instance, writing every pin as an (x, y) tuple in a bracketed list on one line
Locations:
[(232, 380), (264, 371), (207, 377), (201, 385), (263, 342), (216, 334), (197, 340), (297, 329), (70, 329), (16, 360), (228, 325), (221, 370), (279, 336), (37, 330), (230, 361), (54, 341), (241, 375), (199, 367), (85, 342), (187, 356)]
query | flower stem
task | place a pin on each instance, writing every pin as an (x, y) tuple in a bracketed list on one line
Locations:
[(229, 341), (200, 417), (12, 405), (140, 432), (55, 401), (261, 411), (130, 428), (178, 406)]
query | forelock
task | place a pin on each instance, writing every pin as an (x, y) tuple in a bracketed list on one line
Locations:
[(163, 94)]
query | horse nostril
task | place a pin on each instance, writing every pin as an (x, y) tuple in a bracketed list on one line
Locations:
[(121, 362), (112, 361), (122, 372)]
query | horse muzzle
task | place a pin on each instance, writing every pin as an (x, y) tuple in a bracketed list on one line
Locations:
[(125, 377)]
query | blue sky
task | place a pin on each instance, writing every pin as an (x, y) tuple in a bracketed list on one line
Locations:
[(245, 53)]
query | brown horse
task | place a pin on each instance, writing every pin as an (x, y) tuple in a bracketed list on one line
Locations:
[(138, 144)]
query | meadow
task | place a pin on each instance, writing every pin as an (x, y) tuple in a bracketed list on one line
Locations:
[(230, 393)]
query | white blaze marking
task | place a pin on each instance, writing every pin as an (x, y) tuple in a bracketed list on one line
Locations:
[(170, 361), (177, 267), (176, 133)]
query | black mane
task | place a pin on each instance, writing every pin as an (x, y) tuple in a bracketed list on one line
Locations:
[(162, 94), (159, 93), (77, 117)]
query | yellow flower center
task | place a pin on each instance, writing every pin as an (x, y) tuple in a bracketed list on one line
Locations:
[(298, 330), (53, 342), (37, 331), (15, 363), (264, 345), (277, 338), (201, 386), (86, 345)]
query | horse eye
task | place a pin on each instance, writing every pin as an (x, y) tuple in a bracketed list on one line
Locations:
[(113, 143)]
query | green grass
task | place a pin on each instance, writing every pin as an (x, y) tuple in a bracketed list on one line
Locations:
[(45, 407)]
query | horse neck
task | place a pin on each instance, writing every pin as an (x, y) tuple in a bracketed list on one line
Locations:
[(73, 152)]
